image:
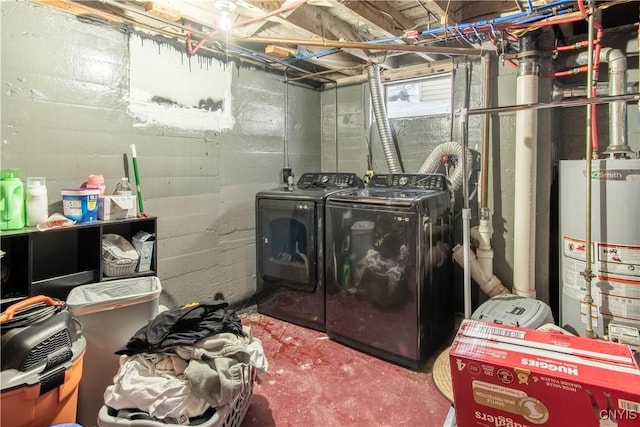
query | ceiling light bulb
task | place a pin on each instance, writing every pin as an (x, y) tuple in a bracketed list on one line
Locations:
[(225, 7), (224, 24)]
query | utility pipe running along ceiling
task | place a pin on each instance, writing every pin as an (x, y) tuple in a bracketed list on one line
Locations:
[(324, 41)]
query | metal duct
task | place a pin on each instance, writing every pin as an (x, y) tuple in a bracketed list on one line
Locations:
[(382, 121), (617, 86), (617, 110)]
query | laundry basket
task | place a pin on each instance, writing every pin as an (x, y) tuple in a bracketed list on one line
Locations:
[(111, 313), (230, 415)]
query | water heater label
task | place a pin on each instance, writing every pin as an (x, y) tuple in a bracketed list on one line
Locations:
[(619, 259), (616, 282), (620, 308), (614, 174), (575, 248), (594, 314)]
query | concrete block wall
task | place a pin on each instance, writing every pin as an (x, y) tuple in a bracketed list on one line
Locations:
[(71, 107), (344, 147)]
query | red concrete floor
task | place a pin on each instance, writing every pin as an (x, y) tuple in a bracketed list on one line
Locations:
[(315, 382)]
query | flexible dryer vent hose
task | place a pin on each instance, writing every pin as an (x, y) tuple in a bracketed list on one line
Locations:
[(384, 128), (432, 163)]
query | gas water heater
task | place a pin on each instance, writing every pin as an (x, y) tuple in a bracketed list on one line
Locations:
[(614, 246)]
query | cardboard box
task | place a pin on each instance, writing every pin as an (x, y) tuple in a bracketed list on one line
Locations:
[(510, 376), (143, 243), (117, 207)]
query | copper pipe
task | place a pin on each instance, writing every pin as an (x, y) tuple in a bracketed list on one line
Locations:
[(369, 46), (587, 273), (484, 167)]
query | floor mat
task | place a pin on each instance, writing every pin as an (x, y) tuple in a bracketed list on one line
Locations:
[(442, 374)]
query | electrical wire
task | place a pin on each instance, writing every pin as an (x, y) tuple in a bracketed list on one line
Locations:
[(286, 120)]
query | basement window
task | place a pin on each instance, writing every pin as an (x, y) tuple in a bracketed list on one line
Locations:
[(426, 96)]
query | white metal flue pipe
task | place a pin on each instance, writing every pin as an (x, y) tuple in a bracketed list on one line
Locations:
[(525, 179)]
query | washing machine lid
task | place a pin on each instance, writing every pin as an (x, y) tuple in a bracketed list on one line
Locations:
[(388, 197), (409, 181), (395, 189)]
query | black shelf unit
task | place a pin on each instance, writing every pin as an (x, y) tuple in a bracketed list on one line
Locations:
[(55, 261)]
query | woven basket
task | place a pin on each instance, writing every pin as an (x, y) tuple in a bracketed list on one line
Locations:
[(119, 256)]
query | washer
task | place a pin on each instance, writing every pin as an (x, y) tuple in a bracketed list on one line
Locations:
[(389, 272), (289, 247)]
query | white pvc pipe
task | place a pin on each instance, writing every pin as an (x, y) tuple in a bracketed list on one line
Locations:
[(489, 284), (484, 252), (525, 180)]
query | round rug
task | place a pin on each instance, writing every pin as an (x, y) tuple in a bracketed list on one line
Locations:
[(441, 374)]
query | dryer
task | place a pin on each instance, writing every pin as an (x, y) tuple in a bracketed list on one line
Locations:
[(389, 273), (290, 244)]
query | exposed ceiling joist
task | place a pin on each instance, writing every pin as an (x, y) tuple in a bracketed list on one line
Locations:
[(326, 40), (381, 14), (80, 9), (442, 9)]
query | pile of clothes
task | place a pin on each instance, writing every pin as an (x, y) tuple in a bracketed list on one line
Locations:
[(185, 363)]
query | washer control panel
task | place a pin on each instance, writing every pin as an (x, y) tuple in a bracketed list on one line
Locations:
[(329, 179), (432, 181)]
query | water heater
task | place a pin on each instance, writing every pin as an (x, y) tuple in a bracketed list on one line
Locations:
[(614, 246)]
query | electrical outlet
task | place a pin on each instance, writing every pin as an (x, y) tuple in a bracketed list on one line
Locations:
[(286, 175)]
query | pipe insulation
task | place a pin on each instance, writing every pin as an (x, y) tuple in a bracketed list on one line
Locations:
[(456, 173), (382, 121), (489, 284), (525, 179), (617, 63)]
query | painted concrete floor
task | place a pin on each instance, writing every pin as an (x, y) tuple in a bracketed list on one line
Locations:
[(315, 382)]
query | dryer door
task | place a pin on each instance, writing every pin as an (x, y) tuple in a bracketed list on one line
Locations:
[(287, 243)]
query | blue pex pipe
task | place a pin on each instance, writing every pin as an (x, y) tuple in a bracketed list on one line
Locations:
[(516, 18), (548, 15), (314, 55), (503, 19)]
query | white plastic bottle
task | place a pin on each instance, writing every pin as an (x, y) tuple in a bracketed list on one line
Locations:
[(36, 201), (123, 188)]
